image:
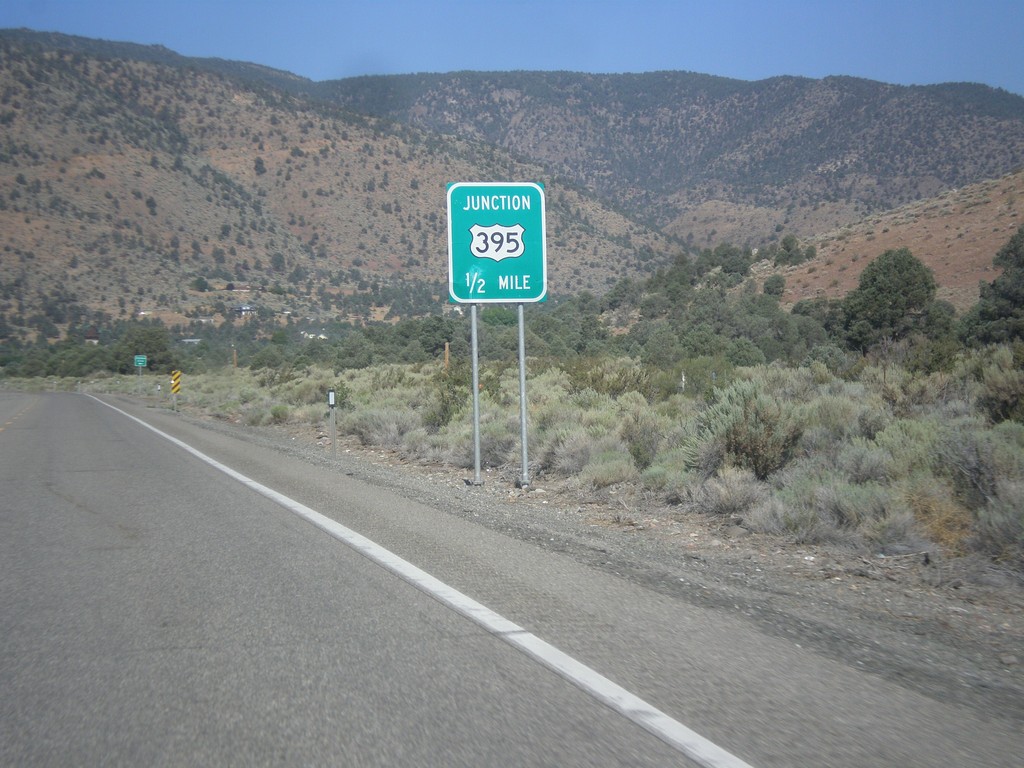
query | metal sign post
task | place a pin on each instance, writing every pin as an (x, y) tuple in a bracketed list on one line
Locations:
[(140, 363), (524, 481), (331, 403), (476, 395)]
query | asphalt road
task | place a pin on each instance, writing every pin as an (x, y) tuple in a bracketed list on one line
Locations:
[(155, 611)]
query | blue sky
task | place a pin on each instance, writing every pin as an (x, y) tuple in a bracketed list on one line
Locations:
[(895, 41)]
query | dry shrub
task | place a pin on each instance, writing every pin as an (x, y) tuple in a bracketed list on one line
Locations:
[(421, 445), (641, 429), (550, 385), (759, 433), (939, 516), (767, 517), (671, 475), (700, 451), (800, 521), (499, 439), (451, 391), (731, 493), (611, 464), (873, 418), (817, 505), (306, 391), (886, 381), (609, 376), (790, 384), (588, 400), (1002, 390), (936, 389), (999, 526), (655, 478), (864, 462), (834, 413), (257, 417), (820, 443), (870, 512), (278, 376), (977, 458), (849, 505), (895, 531), (309, 414), (380, 426), (387, 377), (911, 443), (551, 407), (567, 452)]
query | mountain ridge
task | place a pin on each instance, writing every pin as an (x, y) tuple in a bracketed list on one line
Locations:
[(131, 177), (854, 145)]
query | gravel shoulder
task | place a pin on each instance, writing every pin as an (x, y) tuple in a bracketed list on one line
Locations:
[(952, 629)]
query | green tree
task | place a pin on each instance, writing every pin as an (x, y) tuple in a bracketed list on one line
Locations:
[(733, 260), (890, 300), (355, 351), (775, 285), (626, 292), (789, 251), (497, 316), (149, 339), (661, 350), (999, 314)]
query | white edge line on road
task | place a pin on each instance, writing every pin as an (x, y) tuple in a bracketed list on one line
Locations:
[(648, 717)]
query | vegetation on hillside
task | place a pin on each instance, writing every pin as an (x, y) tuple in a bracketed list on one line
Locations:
[(875, 421), (133, 186)]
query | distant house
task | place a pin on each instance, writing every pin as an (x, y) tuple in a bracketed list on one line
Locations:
[(245, 310), (92, 336)]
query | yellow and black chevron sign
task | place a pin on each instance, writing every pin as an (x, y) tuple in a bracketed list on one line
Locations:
[(175, 382)]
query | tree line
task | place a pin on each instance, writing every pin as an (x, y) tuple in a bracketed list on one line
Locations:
[(706, 308)]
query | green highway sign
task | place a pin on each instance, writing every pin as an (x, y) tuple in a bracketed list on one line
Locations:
[(140, 361), (497, 243)]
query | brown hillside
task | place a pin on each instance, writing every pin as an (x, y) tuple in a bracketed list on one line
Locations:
[(955, 234), (124, 185)]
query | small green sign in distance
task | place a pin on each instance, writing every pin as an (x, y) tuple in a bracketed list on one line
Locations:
[(497, 243), (140, 361)]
